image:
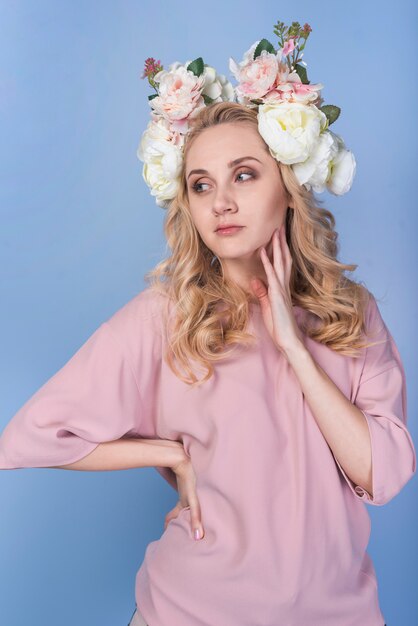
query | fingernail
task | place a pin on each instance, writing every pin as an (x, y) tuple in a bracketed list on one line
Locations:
[(197, 533)]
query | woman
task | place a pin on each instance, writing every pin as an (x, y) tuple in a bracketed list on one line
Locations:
[(298, 421)]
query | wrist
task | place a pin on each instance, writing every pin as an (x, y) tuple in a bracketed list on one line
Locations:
[(296, 352), (180, 459), (166, 452)]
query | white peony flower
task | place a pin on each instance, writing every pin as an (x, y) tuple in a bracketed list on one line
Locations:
[(315, 170), (162, 154), (290, 129), (342, 169)]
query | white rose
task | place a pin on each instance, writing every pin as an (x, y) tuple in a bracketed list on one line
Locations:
[(290, 129), (315, 171), (342, 169), (162, 160), (217, 86)]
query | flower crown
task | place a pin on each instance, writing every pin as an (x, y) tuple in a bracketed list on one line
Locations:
[(292, 118)]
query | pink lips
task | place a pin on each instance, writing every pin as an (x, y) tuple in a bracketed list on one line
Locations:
[(229, 230)]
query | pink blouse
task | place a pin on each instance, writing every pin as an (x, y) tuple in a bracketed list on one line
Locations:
[(286, 530)]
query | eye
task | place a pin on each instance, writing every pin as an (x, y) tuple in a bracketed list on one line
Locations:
[(245, 174), (195, 186)]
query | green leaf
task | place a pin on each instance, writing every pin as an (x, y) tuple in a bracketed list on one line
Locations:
[(302, 73), (257, 101), (264, 44), (207, 99), (197, 66), (154, 95), (331, 111)]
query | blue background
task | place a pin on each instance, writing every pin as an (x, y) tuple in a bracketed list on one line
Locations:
[(79, 230)]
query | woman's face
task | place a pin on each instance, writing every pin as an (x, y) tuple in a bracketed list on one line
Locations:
[(250, 194)]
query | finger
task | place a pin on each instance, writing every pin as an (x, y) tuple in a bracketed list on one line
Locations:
[(271, 274), (195, 515), (278, 258), (287, 255), (269, 249)]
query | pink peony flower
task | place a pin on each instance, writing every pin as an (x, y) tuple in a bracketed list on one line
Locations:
[(180, 93), (257, 76), (289, 88)]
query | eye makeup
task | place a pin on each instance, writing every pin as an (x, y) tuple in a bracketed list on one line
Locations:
[(196, 185)]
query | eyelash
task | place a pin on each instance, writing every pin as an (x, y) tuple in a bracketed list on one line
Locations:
[(195, 185)]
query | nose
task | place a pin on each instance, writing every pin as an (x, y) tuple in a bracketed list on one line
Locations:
[(223, 202)]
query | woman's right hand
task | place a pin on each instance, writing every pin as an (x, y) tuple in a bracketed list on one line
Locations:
[(186, 483)]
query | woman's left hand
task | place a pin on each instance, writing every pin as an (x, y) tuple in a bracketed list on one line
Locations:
[(275, 300)]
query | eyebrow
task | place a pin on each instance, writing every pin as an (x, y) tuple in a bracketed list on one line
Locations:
[(230, 164)]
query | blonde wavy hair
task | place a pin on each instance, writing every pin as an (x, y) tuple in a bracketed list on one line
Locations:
[(193, 277)]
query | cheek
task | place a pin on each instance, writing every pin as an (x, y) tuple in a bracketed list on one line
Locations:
[(194, 213), (274, 206), (198, 222), (269, 212), (202, 224)]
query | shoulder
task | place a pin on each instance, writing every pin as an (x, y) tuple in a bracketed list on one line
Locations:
[(141, 320), (383, 352), (374, 324), (148, 306)]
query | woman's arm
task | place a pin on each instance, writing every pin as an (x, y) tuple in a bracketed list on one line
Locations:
[(132, 453), (129, 454), (368, 437), (341, 422)]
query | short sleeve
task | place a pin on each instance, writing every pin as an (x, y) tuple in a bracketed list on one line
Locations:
[(382, 398), (93, 398)]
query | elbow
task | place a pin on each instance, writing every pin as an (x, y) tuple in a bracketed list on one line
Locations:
[(394, 477), (393, 459)]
